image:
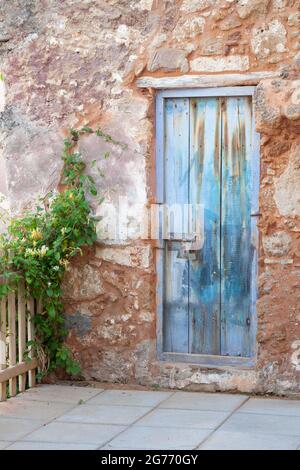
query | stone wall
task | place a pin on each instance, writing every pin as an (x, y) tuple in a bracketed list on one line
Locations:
[(75, 62)]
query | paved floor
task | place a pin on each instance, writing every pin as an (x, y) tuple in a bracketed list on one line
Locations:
[(68, 417)]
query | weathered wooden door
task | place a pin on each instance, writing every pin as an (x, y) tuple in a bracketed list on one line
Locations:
[(209, 271)]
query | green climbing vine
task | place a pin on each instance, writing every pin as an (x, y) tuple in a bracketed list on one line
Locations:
[(39, 245)]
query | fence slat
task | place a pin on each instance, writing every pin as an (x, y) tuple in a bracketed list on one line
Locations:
[(3, 346), (18, 369), (16, 330), (21, 331), (30, 330), (12, 350)]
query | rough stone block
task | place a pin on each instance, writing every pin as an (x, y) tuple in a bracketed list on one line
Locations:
[(268, 39), (297, 60), (222, 64), (275, 100), (188, 29), (294, 20), (83, 283), (133, 256), (189, 6), (212, 47), (287, 188), (245, 8), (169, 59), (2, 94), (277, 244), (231, 22)]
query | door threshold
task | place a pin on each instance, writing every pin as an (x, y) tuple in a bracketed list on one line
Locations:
[(210, 361)]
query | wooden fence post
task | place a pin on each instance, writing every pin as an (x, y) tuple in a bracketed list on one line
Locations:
[(12, 350), (14, 365), (30, 337), (3, 346), (21, 331)]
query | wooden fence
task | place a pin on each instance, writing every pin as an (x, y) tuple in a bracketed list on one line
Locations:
[(17, 364)]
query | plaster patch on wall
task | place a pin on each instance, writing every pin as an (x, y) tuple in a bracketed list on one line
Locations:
[(295, 359), (4, 211), (2, 93)]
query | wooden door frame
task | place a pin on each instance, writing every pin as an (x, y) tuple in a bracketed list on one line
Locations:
[(203, 359)]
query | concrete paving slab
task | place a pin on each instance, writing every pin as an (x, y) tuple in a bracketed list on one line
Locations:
[(130, 398), (271, 406), (223, 440), (74, 433), (266, 424), (40, 411), (71, 417), (60, 393), (12, 429), (4, 444), (166, 438), (104, 414), (183, 418), (22, 445), (204, 401)]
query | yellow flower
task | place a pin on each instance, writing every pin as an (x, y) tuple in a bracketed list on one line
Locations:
[(30, 252), (65, 263), (43, 250), (36, 235), (71, 196)]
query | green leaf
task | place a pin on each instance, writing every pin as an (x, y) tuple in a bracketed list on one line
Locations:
[(93, 191), (51, 311)]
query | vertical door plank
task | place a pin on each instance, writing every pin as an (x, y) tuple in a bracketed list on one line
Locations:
[(12, 340), (236, 249), (21, 331), (3, 324), (204, 283), (176, 270), (30, 337)]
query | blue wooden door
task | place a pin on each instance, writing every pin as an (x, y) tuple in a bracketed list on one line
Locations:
[(208, 271)]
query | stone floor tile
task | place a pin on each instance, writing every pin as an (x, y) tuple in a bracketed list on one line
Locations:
[(130, 398), (183, 418), (224, 440), (163, 438), (104, 414), (24, 445), (38, 410), (4, 444), (12, 429), (271, 406), (75, 433), (60, 393), (204, 401), (259, 423)]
